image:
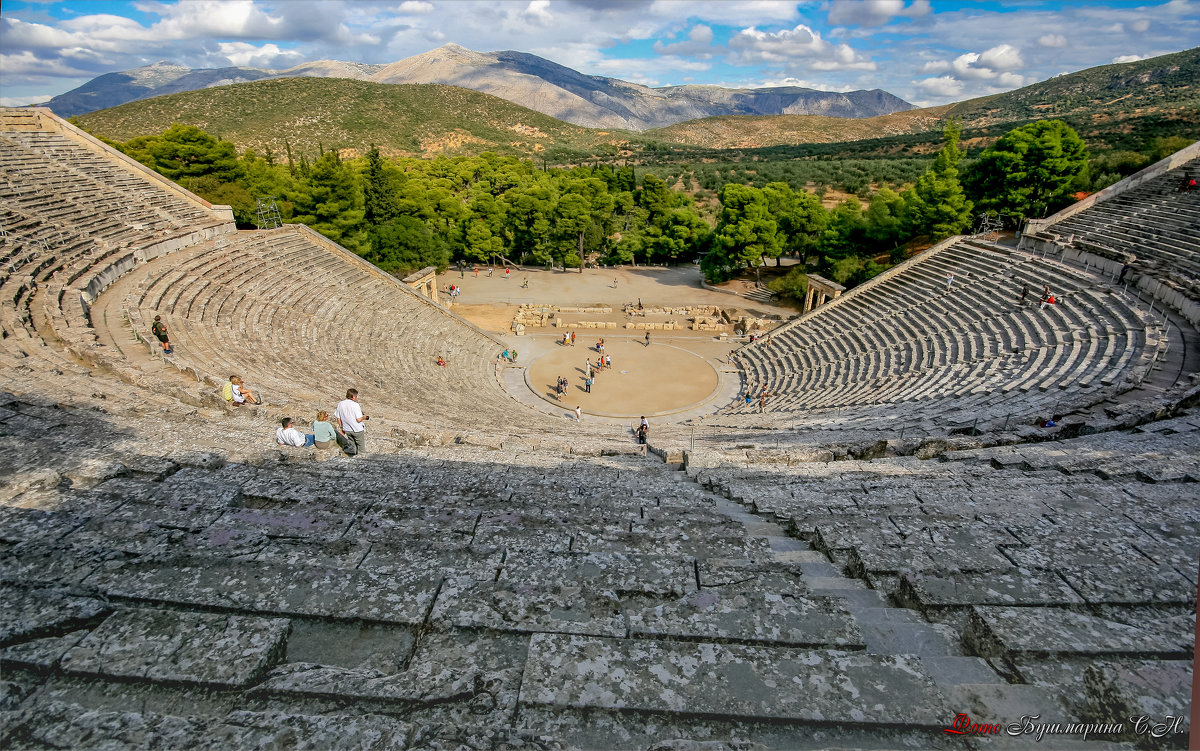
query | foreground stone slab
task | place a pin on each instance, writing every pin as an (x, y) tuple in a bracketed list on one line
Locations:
[(266, 588), (745, 613), (163, 645), (65, 725), (1112, 690), (730, 681), (465, 676), (619, 572), (1009, 632), (933, 592), (1131, 581), (524, 607), (31, 613)]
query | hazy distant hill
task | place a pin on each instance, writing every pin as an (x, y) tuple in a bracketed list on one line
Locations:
[(309, 113), (1099, 102), (599, 102), (527, 80)]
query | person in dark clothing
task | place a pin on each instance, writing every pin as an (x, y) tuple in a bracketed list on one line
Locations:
[(159, 329)]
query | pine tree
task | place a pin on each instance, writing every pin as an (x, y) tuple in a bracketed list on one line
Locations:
[(937, 206)]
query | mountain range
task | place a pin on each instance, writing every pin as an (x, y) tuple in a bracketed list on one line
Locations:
[(521, 78)]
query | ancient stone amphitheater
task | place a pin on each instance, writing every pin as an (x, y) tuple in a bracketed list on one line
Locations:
[(895, 541)]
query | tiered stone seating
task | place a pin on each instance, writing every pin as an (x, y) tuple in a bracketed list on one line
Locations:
[(1071, 566), (434, 596), (75, 215), (906, 346), (302, 321), (1155, 221), (168, 581)]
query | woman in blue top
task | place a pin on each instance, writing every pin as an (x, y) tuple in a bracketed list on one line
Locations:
[(324, 431)]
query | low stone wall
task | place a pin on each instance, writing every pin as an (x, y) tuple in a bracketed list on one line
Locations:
[(650, 326)]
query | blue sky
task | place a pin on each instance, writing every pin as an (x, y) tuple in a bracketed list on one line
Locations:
[(925, 51)]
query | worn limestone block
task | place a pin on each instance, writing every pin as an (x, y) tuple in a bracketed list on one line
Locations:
[(298, 523), (126, 535), (679, 543), (618, 572), (344, 553), (64, 725), (1011, 632), (353, 731), (31, 613), (748, 613), (466, 676), (515, 539), (37, 525), (56, 565), (933, 592), (732, 681), (41, 653), (572, 608), (268, 588), (68, 725), (164, 645), (1112, 690), (479, 562), (452, 736), (387, 523), (191, 488), (1128, 581)]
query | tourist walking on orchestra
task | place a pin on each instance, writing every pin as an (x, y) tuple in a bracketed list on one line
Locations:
[(578, 413), (350, 415), (647, 338)]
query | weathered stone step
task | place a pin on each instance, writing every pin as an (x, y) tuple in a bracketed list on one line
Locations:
[(731, 681), (68, 725), (1012, 632), (164, 645)]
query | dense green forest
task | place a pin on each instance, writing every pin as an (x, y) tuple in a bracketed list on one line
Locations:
[(407, 213)]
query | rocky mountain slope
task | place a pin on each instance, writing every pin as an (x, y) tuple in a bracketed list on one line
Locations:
[(1161, 92), (521, 78)]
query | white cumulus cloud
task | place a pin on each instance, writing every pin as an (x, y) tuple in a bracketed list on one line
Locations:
[(243, 54), (698, 44), (415, 6), (942, 86), (873, 12), (1052, 40), (791, 46)]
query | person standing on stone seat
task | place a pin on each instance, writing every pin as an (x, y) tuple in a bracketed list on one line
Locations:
[(350, 415)]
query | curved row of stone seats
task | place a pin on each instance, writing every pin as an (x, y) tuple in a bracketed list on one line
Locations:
[(1150, 216), (1155, 221), (1054, 560), (301, 320), (74, 216), (973, 347)]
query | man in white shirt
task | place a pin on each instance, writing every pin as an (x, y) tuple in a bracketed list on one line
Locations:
[(289, 436), (351, 417)]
